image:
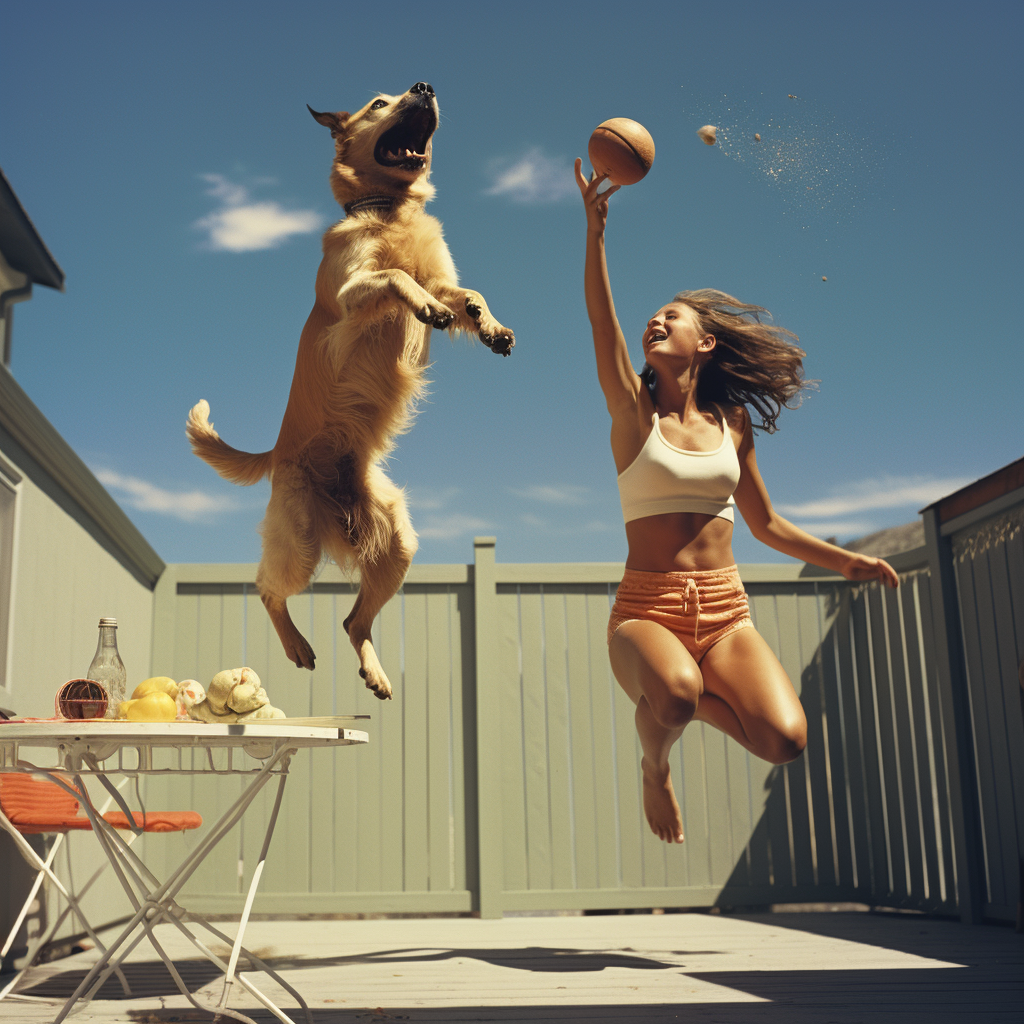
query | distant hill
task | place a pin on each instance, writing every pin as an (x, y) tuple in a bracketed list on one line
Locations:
[(891, 541)]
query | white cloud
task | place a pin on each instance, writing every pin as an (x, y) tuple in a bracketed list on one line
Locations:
[(840, 528), (533, 178), (147, 497), (887, 492), (432, 499), (244, 226), (567, 494), (226, 191), (571, 528), (450, 527)]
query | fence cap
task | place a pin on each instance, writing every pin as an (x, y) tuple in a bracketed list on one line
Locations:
[(981, 492)]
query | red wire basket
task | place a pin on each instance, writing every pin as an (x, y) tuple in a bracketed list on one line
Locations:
[(79, 699)]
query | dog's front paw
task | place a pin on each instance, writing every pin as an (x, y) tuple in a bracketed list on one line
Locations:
[(497, 338), (501, 340), (435, 315)]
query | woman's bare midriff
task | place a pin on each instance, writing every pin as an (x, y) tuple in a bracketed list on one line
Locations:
[(679, 542)]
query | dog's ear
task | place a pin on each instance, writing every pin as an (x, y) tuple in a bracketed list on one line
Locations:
[(336, 122)]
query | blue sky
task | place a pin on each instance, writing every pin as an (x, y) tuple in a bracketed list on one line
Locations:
[(165, 154)]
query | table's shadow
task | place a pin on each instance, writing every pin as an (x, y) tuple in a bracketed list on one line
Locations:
[(146, 978)]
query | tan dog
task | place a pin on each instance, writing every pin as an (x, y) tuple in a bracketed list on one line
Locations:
[(385, 280)]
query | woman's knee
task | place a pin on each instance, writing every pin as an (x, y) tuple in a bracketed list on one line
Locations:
[(787, 742), (674, 702)]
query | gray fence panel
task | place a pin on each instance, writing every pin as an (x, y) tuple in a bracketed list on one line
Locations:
[(943, 887), (376, 827), (863, 814), (987, 559)]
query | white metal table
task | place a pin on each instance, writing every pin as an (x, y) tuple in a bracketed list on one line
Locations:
[(104, 748)]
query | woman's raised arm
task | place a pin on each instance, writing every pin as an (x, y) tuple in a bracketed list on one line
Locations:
[(615, 372)]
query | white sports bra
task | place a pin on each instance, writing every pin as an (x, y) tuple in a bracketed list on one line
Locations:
[(663, 478)]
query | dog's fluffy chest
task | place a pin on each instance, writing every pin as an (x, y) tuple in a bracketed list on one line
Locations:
[(410, 241)]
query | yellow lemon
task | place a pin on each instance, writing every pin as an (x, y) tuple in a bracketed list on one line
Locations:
[(122, 709), (158, 684), (154, 707)]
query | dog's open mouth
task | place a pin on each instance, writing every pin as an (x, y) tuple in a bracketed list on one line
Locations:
[(405, 144)]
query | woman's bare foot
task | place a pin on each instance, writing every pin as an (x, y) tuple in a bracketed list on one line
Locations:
[(660, 803)]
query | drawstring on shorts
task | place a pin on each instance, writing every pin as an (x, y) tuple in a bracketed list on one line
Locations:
[(691, 584)]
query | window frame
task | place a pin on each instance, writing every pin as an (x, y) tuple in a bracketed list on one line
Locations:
[(10, 517)]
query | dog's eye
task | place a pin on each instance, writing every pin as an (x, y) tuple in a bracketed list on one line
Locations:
[(377, 104)]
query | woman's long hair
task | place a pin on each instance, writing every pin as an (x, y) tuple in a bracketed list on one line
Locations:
[(753, 362)]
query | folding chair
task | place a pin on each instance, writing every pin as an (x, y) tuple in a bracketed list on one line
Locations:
[(34, 806)]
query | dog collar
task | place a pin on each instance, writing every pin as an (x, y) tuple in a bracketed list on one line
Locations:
[(377, 202)]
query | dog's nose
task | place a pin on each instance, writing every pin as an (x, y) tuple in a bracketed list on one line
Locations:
[(423, 87)]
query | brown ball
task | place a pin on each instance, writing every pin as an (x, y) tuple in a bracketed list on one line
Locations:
[(621, 148)]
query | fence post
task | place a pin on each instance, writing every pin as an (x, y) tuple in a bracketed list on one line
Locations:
[(956, 716), (490, 838)]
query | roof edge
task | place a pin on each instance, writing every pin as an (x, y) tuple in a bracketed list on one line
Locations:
[(48, 271)]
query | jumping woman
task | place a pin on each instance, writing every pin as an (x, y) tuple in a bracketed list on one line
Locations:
[(680, 638)]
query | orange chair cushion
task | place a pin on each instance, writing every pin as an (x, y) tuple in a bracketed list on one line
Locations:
[(157, 821), (35, 805)]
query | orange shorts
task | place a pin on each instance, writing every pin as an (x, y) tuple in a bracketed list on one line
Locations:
[(700, 608)]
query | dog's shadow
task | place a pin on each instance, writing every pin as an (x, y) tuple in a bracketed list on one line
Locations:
[(543, 959)]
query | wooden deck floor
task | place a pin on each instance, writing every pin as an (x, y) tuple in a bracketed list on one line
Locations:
[(845, 968)]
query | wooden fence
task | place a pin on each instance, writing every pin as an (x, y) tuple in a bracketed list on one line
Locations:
[(505, 774), (976, 539)]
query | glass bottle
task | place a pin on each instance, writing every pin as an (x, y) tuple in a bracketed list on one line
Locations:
[(107, 667)]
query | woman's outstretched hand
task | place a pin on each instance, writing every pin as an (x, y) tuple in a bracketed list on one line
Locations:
[(866, 567), (595, 202)]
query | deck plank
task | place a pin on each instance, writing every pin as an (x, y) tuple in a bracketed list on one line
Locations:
[(841, 967)]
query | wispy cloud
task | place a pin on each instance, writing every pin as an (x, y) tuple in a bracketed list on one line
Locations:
[(450, 527), (432, 499), (883, 493), (241, 225), (840, 528), (147, 497), (533, 178), (567, 494), (572, 528)]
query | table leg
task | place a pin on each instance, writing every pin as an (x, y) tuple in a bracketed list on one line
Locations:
[(260, 965), (153, 905), (167, 911), (229, 977)]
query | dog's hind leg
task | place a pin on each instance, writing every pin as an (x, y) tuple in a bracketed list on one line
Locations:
[(291, 553), (383, 563)]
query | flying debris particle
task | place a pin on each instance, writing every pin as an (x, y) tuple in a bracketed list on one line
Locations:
[(824, 278), (816, 164), (791, 96)]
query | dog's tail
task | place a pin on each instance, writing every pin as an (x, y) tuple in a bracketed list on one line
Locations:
[(239, 467)]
